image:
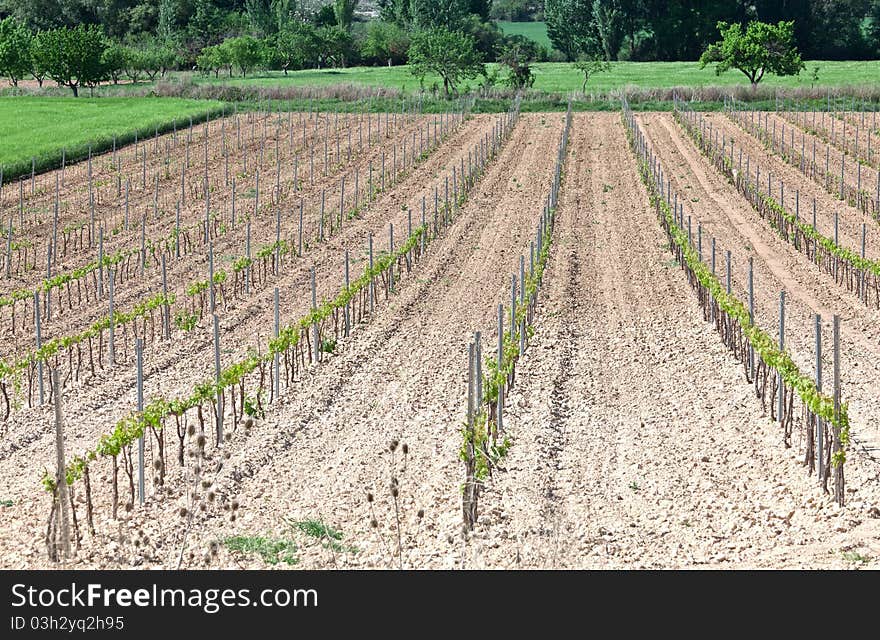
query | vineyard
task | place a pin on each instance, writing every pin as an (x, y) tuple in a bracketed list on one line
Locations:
[(318, 339)]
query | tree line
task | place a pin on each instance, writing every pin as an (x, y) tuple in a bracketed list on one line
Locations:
[(78, 43), (643, 30)]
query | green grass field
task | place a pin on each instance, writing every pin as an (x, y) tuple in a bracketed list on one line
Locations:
[(563, 77), (536, 31), (41, 127)]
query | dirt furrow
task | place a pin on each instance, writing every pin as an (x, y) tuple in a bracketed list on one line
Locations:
[(665, 461)]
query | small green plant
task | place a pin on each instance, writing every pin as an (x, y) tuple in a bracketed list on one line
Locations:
[(6, 503), (328, 345), (252, 407), (633, 486), (855, 556), (606, 188), (329, 537), (185, 321), (272, 551)]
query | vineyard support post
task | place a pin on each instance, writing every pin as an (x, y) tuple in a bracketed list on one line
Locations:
[(838, 468), (780, 404), (166, 308), (391, 253), (177, 231), (278, 242), (372, 292), (500, 400), (820, 430), (316, 348), (275, 359), (9, 250), (39, 344), (728, 272), (111, 351), (247, 269), (217, 378), (347, 304), (300, 240), (522, 300), (143, 242), (864, 243), (467, 500), (101, 262), (61, 471), (49, 277), (751, 312), (139, 351), (478, 372), (211, 299)]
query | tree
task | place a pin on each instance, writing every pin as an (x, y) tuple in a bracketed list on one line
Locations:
[(570, 27), (74, 57), (448, 14), (608, 25), (335, 46), (246, 52), (114, 61), (516, 57), (591, 67), (135, 63), (344, 12), (39, 58), (762, 48), (296, 45), (15, 50), (449, 54), (385, 42)]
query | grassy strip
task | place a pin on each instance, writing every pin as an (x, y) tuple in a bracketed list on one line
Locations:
[(39, 128)]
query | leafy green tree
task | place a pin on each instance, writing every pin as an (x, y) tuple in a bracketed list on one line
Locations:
[(246, 52), (114, 59), (608, 26), (448, 14), (449, 54), (344, 12), (15, 50), (214, 59), (385, 42), (167, 26), (296, 45), (74, 57), (516, 57), (336, 46), (39, 57), (591, 67), (397, 12), (135, 63), (761, 48), (570, 27)]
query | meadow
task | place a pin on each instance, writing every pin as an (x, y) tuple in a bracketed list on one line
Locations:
[(39, 128)]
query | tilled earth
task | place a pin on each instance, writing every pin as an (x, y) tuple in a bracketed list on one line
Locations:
[(636, 441)]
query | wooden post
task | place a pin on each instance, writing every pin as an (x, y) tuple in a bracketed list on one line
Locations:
[(820, 427), (275, 360), (838, 469), (347, 304), (166, 308), (317, 347), (39, 344), (112, 329), (780, 404), (61, 471), (139, 352), (217, 378)]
